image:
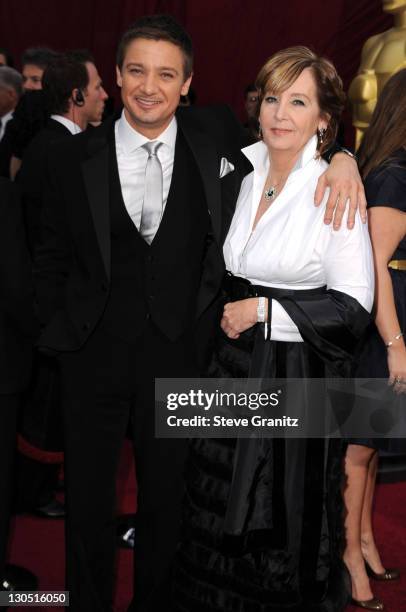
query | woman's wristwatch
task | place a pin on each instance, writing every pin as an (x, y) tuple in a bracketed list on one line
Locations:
[(261, 310)]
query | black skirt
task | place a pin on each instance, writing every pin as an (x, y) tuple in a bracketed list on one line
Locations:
[(262, 524)]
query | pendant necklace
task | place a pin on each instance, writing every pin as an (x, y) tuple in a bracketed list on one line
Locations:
[(272, 191)]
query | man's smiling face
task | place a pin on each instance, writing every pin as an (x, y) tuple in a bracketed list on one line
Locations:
[(152, 80)]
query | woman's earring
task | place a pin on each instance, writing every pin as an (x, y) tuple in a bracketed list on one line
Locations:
[(320, 134), (259, 131)]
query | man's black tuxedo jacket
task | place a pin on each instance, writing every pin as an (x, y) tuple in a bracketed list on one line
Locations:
[(17, 324), (73, 262), (31, 176)]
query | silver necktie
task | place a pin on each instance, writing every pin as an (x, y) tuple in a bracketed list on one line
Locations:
[(153, 198)]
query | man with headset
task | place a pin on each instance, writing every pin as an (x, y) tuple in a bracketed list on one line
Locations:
[(75, 96)]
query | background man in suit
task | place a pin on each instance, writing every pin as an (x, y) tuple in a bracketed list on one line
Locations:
[(27, 116), (74, 96), (10, 92), (34, 61), (133, 225), (17, 336), (251, 108), (6, 59)]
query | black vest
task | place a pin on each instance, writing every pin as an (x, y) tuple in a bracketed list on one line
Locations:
[(158, 281)]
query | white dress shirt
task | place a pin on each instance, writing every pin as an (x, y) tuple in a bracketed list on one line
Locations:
[(4, 120), (291, 247), (132, 160), (70, 125)]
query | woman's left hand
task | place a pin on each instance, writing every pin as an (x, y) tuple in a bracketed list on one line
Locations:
[(397, 367), (239, 316), (345, 183)]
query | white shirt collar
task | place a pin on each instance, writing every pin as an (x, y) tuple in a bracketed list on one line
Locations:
[(3, 123), (131, 140), (70, 125), (257, 154), (5, 118)]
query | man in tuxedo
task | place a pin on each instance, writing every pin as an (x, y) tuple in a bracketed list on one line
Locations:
[(133, 224), (119, 295), (74, 96), (17, 336)]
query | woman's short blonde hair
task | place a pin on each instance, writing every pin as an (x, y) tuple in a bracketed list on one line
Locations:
[(282, 70)]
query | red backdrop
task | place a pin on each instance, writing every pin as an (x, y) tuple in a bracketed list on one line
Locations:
[(232, 38)]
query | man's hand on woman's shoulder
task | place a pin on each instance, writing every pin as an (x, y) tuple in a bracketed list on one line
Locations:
[(346, 188)]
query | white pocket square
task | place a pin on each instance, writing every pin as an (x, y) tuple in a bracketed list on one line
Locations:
[(225, 167)]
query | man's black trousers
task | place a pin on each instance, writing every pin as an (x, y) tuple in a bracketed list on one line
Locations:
[(106, 385)]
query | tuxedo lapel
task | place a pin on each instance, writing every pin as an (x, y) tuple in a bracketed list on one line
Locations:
[(95, 171), (206, 157)]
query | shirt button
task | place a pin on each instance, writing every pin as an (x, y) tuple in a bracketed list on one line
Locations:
[(86, 326), (104, 287)]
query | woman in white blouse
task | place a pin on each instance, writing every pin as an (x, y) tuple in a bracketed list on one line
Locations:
[(263, 517)]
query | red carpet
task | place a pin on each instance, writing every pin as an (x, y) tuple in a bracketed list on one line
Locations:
[(38, 544)]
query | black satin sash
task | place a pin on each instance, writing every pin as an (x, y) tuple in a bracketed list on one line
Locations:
[(330, 321)]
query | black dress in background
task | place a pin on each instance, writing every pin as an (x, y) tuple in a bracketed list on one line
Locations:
[(386, 186)]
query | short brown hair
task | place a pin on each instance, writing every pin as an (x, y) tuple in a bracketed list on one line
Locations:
[(158, 27), (284, 67), (61, 77)]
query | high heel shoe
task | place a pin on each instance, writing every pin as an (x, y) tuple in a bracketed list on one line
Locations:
[(370, 604), (388, 574)]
